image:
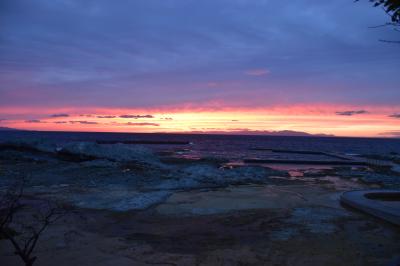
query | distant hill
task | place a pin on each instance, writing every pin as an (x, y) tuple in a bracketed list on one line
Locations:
[(289, 133), (8, 129)]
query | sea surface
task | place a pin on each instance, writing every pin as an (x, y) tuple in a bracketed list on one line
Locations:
[(227, 160), (226, 146)]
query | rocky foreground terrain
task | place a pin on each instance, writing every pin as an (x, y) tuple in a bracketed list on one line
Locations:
[(130, 206)]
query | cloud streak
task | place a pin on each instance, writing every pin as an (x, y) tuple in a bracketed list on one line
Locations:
[(59, 115), (106, 116), (83, 122), (142, 124), (34, 121), (395, 115), (136, 116), (351, 113)]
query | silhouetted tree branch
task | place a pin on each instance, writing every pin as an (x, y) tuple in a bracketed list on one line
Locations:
[(9, 203), (24, 237), (392, 8)]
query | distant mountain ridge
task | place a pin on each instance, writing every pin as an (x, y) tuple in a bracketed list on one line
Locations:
[(8, 129), (288, 133)]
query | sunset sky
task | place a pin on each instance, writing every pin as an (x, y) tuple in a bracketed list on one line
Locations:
[(210, 66)]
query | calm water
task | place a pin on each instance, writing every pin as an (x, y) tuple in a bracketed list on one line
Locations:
[(227, 146)]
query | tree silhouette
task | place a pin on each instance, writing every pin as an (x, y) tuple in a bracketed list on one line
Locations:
[(392, 8), (24, 232)]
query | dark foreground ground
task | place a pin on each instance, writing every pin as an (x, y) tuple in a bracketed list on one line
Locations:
[(195, 213)]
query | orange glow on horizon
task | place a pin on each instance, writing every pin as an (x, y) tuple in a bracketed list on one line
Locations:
[(315, 119)]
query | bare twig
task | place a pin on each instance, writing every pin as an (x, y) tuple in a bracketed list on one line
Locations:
[(387, 41), (25, 239), (385, 25)]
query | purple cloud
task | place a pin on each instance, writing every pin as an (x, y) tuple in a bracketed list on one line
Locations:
[(395, 115), (84, 122), (350, 113), (136, 116), (60, 122), (34, 121), (106, 116), (60, 115)]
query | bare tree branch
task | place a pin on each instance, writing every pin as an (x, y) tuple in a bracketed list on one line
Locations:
[(25, 237)]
